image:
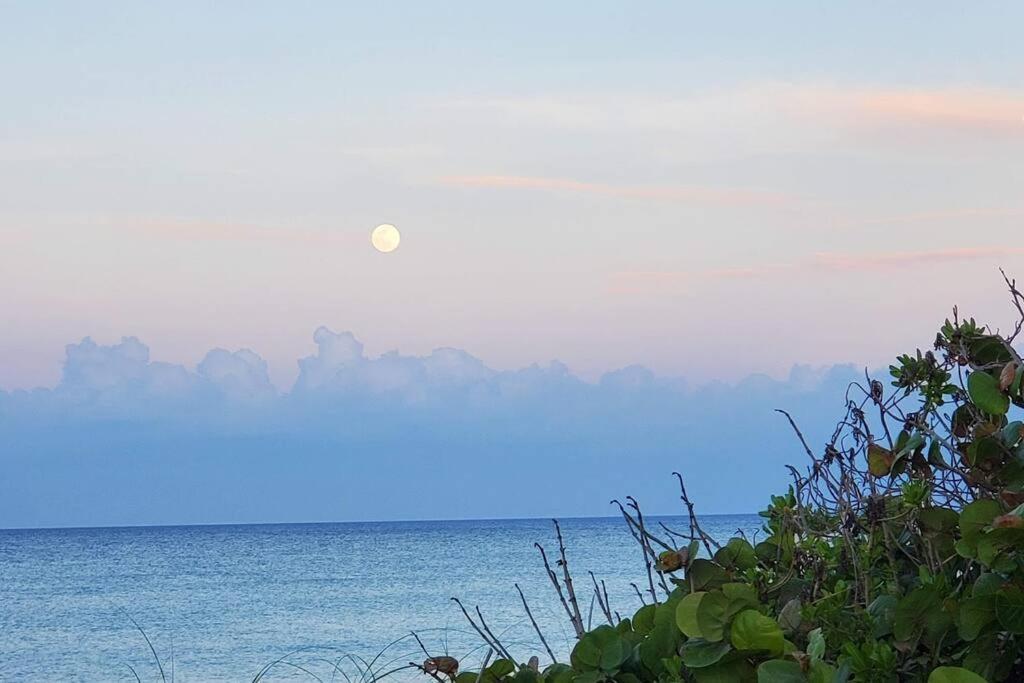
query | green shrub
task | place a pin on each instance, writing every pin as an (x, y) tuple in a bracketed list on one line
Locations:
[(897, 555)]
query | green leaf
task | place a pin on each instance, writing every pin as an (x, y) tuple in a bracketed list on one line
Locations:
[(987, 584), (660, 643), (976, 516), (789, 616), (937, 520), (643, 620), (1010, 609), (686, 615), (780, 671), (954, 674), (705, 574), (883, 613), (741, 596), (712, 615), (768, 552), (555, 673), (726, 671), (975, 614), (984, 391), (1013, 433), (816, 645), (989, 350), (966, 549), (752, 630), (528, 675), (737, 553), (699, 653), (498, 669), (603, 648), (920, 610), (821, 672)]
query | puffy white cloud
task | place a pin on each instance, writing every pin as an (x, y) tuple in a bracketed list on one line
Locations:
[(335, 353), (93, 367), (120, 421), (240, 374)]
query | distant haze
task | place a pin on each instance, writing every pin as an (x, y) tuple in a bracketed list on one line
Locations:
[(125, 439)]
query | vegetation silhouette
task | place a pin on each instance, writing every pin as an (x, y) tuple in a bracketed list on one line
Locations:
[(897, 554)]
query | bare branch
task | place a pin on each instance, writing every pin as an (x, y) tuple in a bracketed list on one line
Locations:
[(535, 627)]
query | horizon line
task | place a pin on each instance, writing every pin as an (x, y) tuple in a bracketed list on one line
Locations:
[(364, 521)]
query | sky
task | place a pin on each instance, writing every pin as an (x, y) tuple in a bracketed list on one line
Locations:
[(717, 194)]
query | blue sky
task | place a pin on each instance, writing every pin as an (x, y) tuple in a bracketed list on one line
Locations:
[(709, 192)]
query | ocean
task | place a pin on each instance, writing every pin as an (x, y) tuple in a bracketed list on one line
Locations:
[(220, 603)]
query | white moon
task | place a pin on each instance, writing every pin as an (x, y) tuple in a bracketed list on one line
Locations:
[(385, 238)]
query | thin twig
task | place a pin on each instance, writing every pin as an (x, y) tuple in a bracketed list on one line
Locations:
[(535, 626)]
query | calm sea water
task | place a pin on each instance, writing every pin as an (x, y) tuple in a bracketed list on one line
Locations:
[(220, 602)]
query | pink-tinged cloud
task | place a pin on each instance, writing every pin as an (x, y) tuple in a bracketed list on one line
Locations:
[(636, 282), (882, 260), (208, 231), (778, 109), (968, 109), (939, 215), (724, 196)]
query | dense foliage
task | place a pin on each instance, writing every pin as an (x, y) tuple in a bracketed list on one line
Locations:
[(897, 555)]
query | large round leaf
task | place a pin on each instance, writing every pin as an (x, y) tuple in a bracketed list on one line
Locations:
[(705, 574), (741, 596), (821, 672), (699, 653), (603, 648), (752, 630), (883, 613), (937, 520), (921, 611), (984, 391), (780, 671), (976, 517), (1010, 609), (737, 553), (558, 673), (660, 643), (703, 615), (643, 620), (954, 674), (789, 616), (728, 670), (686, 614), (975, 614)]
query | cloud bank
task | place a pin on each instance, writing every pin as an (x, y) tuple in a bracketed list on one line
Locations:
[(125, 439)]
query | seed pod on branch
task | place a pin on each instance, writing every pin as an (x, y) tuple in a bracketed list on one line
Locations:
[(1007, 376), (672, 560), (449, 666)]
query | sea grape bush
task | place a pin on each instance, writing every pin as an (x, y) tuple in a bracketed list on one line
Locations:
[(897, 555)]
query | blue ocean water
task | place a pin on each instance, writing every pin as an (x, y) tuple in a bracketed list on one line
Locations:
[(221, 602)]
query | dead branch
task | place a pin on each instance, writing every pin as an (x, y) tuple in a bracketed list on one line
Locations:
[(536, 628)]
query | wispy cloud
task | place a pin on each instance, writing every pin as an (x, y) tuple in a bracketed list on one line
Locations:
[(894, 259), (213, 231), (938, 215), (821, 105), (727, 196), (973, 109), (645, 281)]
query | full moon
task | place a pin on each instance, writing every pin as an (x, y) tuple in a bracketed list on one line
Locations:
[(385, 238)]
